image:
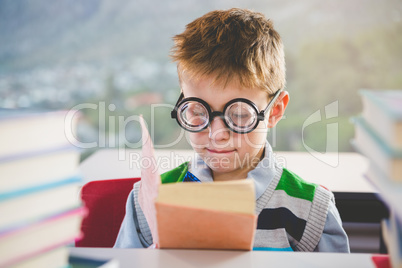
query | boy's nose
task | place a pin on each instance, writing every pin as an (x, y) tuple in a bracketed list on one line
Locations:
[(218, 129)]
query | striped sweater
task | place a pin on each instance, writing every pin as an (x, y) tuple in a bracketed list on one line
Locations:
[(291, 212)]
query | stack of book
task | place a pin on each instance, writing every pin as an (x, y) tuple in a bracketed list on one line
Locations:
[(378, 136), (40, 208)]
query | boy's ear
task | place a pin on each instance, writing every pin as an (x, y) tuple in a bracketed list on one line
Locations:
[(278, 109)]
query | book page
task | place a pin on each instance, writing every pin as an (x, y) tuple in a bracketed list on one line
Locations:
[(150, 181), (231, 196)]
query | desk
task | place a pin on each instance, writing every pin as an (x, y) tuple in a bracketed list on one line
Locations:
[(150, 258)]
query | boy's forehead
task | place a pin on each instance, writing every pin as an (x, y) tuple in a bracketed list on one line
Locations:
[(215, 83), (212, 90), (194, 79)]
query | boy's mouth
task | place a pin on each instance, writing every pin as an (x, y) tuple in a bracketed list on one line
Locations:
[(216, 151)]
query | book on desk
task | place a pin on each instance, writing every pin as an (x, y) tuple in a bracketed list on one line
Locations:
[(205, 211), (40, 208), (195, 215), (378, 136)]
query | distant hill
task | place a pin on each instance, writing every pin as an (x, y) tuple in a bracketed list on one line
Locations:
[(45, 33)]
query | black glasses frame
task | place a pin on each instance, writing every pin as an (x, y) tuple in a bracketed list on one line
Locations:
[(212, 114)]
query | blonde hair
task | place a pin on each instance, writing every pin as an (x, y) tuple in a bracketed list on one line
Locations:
[(232, 44)]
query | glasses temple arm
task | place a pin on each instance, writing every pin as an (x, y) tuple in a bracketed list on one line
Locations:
[(180, 98), (173, 113), (272, 102)]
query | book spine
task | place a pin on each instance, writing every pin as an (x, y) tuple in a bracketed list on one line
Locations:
[(20, 192)]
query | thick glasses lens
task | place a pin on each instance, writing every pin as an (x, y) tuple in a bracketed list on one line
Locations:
[(193, 116), (241, 116)]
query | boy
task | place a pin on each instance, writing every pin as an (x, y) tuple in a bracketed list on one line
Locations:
[(232, 73)]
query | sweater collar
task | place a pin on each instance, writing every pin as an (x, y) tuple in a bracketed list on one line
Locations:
[(262, 175)]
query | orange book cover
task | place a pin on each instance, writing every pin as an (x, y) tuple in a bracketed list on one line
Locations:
[(196, 228)]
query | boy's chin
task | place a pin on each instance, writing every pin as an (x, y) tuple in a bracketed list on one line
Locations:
[(219, 166), (222, 167)]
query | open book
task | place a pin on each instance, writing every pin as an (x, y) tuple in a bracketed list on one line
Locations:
[(193, 215)]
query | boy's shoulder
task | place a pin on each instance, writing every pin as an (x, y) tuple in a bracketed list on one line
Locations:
[(295, 186)]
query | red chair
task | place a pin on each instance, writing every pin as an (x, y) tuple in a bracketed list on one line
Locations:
[(105, 201)]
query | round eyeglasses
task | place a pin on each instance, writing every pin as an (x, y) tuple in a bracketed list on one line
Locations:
[(240, 115)]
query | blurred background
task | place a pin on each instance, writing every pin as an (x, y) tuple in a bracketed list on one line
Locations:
[(111, 58)]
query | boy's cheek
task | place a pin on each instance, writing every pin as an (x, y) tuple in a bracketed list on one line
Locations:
[(197, 140), (255, 140)]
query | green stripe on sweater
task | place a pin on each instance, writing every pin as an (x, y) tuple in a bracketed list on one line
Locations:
[(176, 174), (295, 186)]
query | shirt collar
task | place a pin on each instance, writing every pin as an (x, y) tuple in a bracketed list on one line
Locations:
[(262, 175)]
